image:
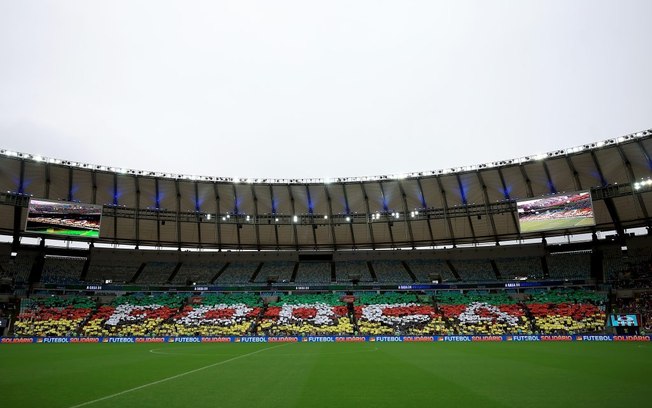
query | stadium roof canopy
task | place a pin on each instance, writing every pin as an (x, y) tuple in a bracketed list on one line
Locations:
[(471, 204)]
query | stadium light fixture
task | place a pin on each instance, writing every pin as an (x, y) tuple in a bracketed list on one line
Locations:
[(325, 217), (295, 218), (641, 184), (348, 219)]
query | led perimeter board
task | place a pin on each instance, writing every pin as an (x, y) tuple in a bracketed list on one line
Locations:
[(559, 211), (63, 218)]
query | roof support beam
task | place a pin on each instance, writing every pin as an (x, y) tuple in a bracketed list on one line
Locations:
[(408, 221), (158, 209), (178, 211), (94, 187), (576, 176), (137, 223), (330, 217), (490, 216), (390, 223), (551, 184), (253, 194), (609, 202), (369, 226), (47, 180), (632, 180), (236, 215), (465, 202), (645, 153), (526, 179), (271, 196), (312, 218), (446, 217), (218, 224), (198, 214), (294, 224), (425, 206), (508, 197), (70, 181), (348, 213)]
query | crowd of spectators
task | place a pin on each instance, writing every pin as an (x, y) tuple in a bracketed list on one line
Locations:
[(632, 272), (364, 313)]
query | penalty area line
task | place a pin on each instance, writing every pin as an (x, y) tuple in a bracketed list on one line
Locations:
[(140, 387)]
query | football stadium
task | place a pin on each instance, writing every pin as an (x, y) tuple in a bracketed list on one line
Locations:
[(377, 291)]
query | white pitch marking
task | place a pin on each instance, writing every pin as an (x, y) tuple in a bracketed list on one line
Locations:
[(83, 404)]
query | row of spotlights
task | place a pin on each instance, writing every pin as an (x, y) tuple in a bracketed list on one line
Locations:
[(641, 184), (524, 159)]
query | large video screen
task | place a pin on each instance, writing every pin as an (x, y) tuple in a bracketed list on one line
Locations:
[(624, 320), (559, 211), (63, 218)]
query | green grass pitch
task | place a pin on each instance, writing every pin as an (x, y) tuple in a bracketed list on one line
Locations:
[(326, 375), (545, 225)]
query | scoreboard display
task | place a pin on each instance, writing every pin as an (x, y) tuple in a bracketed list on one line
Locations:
[(624, 320)]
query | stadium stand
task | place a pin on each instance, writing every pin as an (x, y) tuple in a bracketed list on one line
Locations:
[(62, 270), (389, 313), (356, 272), (53, 316), (529, 267), (313, 272), (474, 270), (18, 268), (640, 304), (391, 271), (132, 315), (214, 315), (310, 314), (344, 270), (569, 265), (156, 272), (397, 313), (199, 272), (280, 270), (423, 268)]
